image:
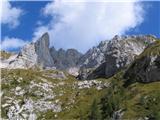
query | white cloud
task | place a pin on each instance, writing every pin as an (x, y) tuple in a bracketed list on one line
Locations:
[(82, 24), (9, 15), (12, 43)]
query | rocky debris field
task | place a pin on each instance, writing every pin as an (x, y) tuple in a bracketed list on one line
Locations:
[(28, 94), (51, 94)]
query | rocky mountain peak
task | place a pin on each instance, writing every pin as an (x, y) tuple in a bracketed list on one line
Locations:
[(34, 54), (44, 40), (116, 37), (65, 59), (42, 50)]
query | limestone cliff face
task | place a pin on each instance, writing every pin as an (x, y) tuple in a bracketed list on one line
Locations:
[(146, 68), (34, 54), (26, 58), (121, 51)]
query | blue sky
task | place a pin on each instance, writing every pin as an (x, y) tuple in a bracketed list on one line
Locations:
[(151, 24), (35, 18), (28, 20)]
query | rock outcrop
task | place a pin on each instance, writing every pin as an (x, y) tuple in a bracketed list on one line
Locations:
[(146, 68), (34, 54), (88, 84)]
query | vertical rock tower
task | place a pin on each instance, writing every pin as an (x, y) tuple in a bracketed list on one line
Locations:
[(42, 50), (34, 54)]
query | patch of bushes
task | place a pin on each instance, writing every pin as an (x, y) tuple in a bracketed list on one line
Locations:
[(151, 105)]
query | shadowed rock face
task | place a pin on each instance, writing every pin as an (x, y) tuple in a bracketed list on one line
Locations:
[(42, 51), (92, 74), (65, 59), (146, 68)]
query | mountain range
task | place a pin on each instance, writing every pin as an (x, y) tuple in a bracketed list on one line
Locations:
[(104, 60), (117, 79)]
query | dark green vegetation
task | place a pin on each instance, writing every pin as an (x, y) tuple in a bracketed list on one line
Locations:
[(135, 101), (153, 49)]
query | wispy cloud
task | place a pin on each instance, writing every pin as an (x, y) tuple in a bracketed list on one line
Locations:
[(82, 24), (9, 15), (12, 43)]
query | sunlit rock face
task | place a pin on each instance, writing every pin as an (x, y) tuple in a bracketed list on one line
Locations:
[(26, 58)]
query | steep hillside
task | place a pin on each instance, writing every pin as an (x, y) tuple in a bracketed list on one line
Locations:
[(136, 101)]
